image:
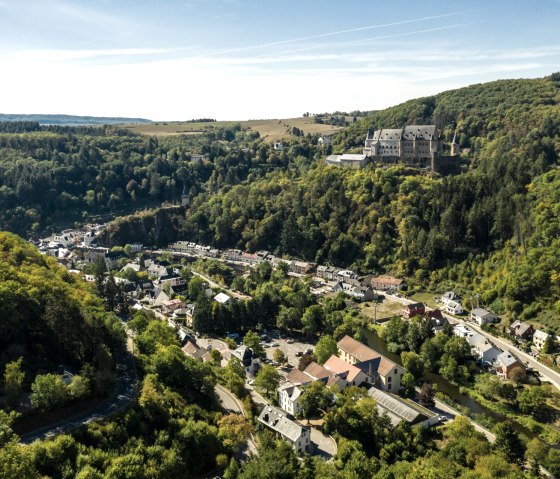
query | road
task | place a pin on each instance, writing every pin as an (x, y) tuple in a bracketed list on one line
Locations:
[(213, 284), (231, 403), (547, 373), (123, 394)]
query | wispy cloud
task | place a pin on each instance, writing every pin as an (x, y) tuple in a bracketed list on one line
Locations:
[(329, 34)]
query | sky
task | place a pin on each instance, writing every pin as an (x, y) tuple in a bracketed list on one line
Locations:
[(251, 59)]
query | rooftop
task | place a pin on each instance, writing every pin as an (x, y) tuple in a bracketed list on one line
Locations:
[(277, 420), (357, 349)]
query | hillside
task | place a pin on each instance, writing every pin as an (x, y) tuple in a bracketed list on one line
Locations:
[(71, 120), (49, 317), (480, 232)]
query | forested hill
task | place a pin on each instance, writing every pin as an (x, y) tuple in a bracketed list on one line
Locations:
[(492, 229), (49, 317), (71, 120), (489, 117)]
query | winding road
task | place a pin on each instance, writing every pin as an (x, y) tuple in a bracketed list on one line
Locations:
[(124, 393)]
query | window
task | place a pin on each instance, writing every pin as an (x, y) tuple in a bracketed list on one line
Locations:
[(389, 386), (395, 371), (389, 379)]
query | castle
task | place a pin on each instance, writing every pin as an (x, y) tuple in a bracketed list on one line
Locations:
[(419, 145)]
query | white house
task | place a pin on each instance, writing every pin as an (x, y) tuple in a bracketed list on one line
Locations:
[(453, 307), (278, 146), (482, 349), (539, 338), (481, 316), (450, 296), (288, 398), (298, 436)]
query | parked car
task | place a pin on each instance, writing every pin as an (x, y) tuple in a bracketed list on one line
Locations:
[(274, 345), (299, 354), (290, 341)]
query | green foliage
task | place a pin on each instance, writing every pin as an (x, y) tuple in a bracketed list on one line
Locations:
[(508, 443), (325, 348), (267, 380), (13, 382), (48, 391), (316, 398), (532, 400)]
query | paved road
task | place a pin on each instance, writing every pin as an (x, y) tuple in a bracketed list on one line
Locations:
[(123, 394), (549, 374), (231, 403)]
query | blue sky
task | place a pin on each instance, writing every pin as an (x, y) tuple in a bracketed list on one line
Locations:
[(243, 59)]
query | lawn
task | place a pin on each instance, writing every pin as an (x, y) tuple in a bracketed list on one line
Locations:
[(385, 310), (271, 130)]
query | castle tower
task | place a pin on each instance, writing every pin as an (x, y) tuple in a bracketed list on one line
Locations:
[(185, 200), (455, 149)]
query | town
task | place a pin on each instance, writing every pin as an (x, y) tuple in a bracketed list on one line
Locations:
[(154, 281)]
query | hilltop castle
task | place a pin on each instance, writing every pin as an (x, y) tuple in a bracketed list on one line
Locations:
[(419, 145)]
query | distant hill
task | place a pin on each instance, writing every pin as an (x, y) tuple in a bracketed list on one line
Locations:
[(71, 120)]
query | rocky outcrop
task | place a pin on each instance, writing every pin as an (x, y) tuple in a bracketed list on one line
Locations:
[(157, 227)]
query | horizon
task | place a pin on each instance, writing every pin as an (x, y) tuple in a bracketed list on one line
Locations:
[(226, 59)]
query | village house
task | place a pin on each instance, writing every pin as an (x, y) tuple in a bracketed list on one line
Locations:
[(507, 363), (249, 360), (192, 350), (157, 271), (521, 330), (353, 375), (481, 316), (482, 349), (298, 436), (112, 259), (385, 373), (454, 307), (450, 296), (222, 298), (301, 267), (324, 140), (171, 305), (414, 309), (539, 338), (399, 409), (288, 398), (437, 320), (387, 283), (189, 315)]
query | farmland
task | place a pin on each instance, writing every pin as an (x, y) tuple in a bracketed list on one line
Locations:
[(271, 130)]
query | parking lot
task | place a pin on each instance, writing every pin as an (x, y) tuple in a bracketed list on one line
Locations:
[(291, 348)]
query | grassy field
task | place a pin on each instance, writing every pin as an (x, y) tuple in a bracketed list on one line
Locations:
[(270, 130), (385, 310)]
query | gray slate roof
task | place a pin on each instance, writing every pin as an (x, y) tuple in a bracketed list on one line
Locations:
[(408, 411), (276, 420), (507, 359)]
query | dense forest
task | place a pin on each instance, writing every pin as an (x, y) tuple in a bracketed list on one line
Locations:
[(490, 230)]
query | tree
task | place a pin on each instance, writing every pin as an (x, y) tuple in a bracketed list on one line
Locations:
[(253, 340), (508, 442), (413, 363), (13, 382), (267, 379), (79, 387), (216, 356), (408, 386), (315, 398), (426, 395), (325, 348), (305, 361), (549, 344), (233, 431), (279, 356), (48, 391), (313, 318), (532, 400)]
